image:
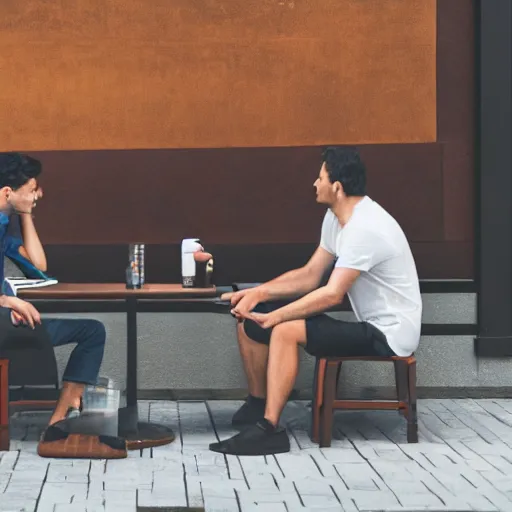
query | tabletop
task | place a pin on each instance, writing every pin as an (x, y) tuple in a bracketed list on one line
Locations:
[(116, 291)]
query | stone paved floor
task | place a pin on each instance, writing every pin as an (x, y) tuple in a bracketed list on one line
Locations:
[(462, 462)]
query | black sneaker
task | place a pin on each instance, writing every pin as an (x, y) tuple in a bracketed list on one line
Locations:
[(260, 439), (252, 411)]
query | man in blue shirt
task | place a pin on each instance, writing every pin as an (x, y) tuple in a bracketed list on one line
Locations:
[(19, 192)]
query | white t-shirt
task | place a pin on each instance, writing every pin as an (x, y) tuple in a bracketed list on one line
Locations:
[(387, 292)]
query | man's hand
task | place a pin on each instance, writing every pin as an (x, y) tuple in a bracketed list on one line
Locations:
[(247, 303), (38, 194), (265, 320), (16, 318), (244, 301), (234, 297), (22, 311)]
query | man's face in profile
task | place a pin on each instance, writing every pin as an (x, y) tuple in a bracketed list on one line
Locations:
[(323, 186), (23, 199)]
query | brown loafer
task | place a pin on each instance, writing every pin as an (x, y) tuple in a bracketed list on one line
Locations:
[(57, 443)]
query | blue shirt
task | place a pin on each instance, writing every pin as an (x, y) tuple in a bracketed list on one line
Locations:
[(5, 242), (8, 243), (10, 246)]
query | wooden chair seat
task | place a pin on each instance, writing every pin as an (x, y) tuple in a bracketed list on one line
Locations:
[(327, 372)]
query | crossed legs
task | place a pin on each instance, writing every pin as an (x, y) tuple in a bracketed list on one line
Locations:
[(84, 362)]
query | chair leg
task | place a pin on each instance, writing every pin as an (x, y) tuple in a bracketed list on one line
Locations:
[(318, 394), (401, 383), (412, 416), (338, 371), (328, 403), (4, 439)]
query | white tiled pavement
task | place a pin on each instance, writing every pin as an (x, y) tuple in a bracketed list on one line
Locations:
[(462, 462)]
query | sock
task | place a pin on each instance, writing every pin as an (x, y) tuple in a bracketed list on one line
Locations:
[(258, 402), (267, 425)]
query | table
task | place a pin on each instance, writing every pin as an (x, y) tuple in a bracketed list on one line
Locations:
[(138, 434)]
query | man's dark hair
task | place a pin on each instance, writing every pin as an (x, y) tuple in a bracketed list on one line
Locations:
[(344, 164), (16, 169)]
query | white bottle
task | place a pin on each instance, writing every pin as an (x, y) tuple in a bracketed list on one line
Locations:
[(188, 265)]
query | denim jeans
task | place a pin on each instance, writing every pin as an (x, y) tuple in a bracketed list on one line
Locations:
[(89, 335)]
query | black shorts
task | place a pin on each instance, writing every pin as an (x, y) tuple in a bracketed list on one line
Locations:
[(328, 337)]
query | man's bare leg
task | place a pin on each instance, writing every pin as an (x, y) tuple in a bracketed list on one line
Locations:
[(262, 437), (283, 366), (254, 357), (69, 397)]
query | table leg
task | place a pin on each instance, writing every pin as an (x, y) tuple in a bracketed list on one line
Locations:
[(131, 351), (139, 434)]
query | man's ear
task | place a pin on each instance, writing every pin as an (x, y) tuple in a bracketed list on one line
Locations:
[(338, 187), (5, 192)]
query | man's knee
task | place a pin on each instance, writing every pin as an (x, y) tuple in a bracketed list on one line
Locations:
[(293, 331), (255, 333), (96, 331)]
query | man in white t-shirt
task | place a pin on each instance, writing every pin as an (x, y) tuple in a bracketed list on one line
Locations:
[(373, 265)]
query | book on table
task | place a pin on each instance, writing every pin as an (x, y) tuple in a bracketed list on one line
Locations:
[(11, 285)]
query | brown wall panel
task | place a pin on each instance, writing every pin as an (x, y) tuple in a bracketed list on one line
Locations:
[(407, 180), (117, 74), (225, 196), (456, 115), (444, 260), (458, 191)]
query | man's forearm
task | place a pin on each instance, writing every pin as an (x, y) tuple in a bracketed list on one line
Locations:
[(313, 303), (294, 283), (31, 242)]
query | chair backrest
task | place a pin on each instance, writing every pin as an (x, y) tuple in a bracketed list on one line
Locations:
[(30, 353)]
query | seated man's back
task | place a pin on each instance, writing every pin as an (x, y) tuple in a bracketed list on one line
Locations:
[(387, 293)]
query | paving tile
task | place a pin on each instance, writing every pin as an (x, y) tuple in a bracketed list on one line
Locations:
[(462, 462)]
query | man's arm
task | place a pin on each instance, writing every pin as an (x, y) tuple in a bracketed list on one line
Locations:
[(22, 310), (291, 284), (32, 247), (317, 301), (299, 281), (361, 250)]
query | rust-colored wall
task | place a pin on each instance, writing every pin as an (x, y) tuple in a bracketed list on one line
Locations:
[(118, 74)]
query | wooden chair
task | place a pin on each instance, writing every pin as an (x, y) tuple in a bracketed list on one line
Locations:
[(327, 372), (27, 361)]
